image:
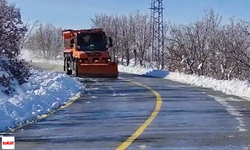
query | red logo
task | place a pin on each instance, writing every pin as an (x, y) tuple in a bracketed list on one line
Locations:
[(8, 142)]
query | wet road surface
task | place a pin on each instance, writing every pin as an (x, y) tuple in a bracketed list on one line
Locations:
[(111, 110)]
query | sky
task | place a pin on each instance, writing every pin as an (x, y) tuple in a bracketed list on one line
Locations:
[(77, 13)]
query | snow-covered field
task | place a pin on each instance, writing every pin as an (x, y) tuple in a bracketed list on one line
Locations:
[(232, 87), (45, 92)]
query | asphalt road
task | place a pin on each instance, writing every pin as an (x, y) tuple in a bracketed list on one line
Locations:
[(111, 110)]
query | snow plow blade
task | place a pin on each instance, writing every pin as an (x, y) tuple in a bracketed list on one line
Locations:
[(97, 70)]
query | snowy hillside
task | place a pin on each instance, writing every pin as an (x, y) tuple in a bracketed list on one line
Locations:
[(45, 91)]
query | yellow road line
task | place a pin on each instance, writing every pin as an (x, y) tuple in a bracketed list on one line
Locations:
[(131, 139), (72, 100), (140, 130)]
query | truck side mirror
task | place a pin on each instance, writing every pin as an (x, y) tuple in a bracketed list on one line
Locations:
[(110, 42)]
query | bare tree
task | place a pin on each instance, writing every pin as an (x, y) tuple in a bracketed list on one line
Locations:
[(130, 33), (141, 33), (204, 47), (30, 27), (46, 41)]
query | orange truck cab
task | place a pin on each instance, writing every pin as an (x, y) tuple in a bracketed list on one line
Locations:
[(86, 53)]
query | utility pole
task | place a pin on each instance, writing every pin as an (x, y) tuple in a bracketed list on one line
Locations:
[(156, 28)]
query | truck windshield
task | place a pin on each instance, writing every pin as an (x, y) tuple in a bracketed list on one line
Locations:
[(91, 41)]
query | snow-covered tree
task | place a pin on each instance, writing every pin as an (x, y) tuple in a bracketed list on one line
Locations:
[(12, 31)]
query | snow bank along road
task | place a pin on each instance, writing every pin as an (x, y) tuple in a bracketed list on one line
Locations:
[(111, 110)]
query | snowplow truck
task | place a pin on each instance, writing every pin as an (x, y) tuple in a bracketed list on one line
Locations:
[(86, 54)]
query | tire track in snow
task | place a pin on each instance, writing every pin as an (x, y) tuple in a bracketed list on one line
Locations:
[(92, 84), (232, 111)]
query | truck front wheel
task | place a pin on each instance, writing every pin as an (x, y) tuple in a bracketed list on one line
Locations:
[(67, 64)]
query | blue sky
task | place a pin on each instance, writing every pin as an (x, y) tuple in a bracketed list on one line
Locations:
[(77, 13)]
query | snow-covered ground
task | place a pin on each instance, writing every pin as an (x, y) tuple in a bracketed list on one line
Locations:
[(232, 87), (45, 92)]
